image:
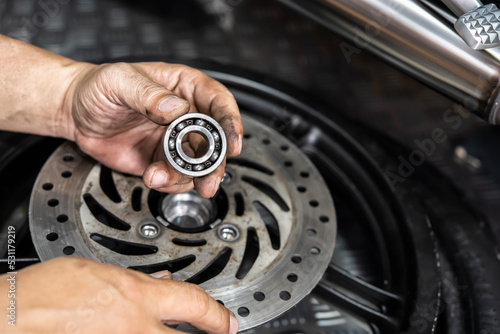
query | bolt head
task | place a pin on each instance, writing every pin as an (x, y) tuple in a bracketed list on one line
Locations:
[(229, 232), (149, 231)]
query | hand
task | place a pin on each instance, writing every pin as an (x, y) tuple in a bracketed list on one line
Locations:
[(117, 112), (76, 295)]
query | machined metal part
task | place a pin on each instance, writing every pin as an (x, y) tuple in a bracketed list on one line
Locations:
[(266, 237), (480, 27), (405, 33), (459, 7), (229, 232), (176, 136), (149, 229)]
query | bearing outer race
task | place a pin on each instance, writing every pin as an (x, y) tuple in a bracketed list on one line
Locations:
[(215, 125)]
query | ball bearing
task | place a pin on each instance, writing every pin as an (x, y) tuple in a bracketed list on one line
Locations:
[(212, 133)]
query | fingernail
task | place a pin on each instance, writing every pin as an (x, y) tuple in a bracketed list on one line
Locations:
[(233, 324), (170, 103), (159, 178), (217, 184), (161, 274), (240, 142)]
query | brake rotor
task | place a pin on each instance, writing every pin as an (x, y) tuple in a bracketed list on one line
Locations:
[(258, 247)]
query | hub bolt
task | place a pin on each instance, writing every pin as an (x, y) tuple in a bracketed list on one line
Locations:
[(229, 232), (149, 230)]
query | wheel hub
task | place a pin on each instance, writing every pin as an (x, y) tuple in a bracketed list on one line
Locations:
[(259, 246)]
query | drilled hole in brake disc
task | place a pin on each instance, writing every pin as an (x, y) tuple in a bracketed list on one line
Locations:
[(262, 221)]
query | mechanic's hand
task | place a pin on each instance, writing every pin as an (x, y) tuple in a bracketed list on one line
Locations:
[(117, 114), (76, 295)]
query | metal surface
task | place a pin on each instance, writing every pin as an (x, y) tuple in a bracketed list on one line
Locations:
[(214, 138), (480, 27), (452, 18), (229, 232), (149, 230), (275, 197), (405, 34), (188, 211), (459, 7)]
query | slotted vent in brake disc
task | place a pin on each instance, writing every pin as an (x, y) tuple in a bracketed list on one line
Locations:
[(258, 247)]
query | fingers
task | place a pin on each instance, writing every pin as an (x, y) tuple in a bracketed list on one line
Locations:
[(161, 176), (130, 87), (208, 185), (162, 329), (205, 94), (188, 303), (221, 105)]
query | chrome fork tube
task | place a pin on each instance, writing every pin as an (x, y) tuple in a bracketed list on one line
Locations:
[(458, 7), (408, 36)]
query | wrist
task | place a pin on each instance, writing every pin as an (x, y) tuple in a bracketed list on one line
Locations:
[(64, 121)]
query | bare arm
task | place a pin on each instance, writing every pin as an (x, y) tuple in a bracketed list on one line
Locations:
[(33, 85), (75, 295), (114, 112)]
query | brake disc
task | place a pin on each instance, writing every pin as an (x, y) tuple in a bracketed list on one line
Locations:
[(258, 247)]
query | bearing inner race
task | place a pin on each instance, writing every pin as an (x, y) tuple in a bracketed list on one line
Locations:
[(212, 133), (205, 133)]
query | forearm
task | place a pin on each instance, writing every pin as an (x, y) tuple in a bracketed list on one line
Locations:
[(33, 86)]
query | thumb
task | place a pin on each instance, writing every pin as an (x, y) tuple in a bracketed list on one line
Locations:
[(181, 302), (140, 93)]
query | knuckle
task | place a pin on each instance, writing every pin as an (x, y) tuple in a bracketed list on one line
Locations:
[(129, 285), (109, 68), (121, 67), (144, 89), (221, 320), (200, 300), (148, 93), (205, 307), (182, 67), (226, 119), (191, 70), (219, 90), (225, 93), (114, 72), (223, 100)]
